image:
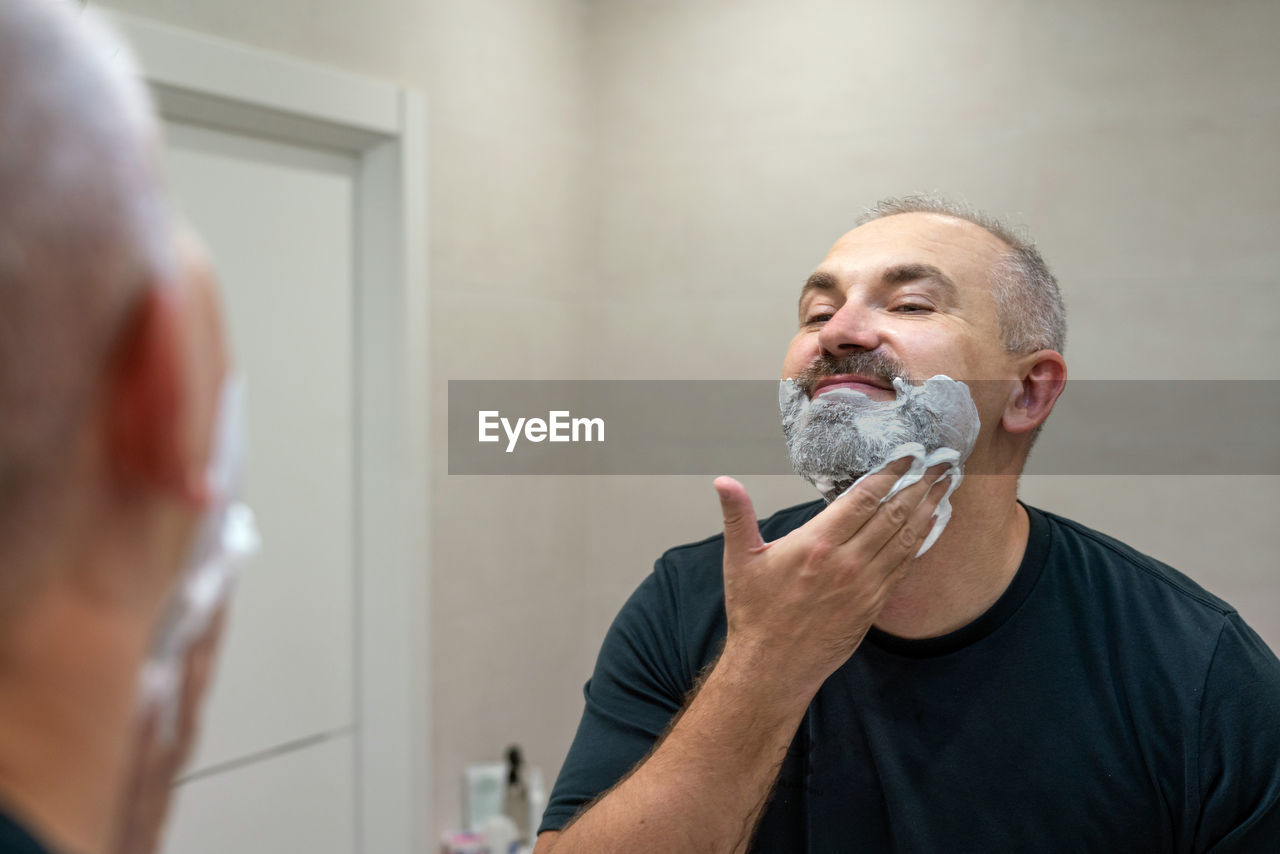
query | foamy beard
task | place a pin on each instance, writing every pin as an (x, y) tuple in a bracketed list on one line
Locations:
[(843, 436)]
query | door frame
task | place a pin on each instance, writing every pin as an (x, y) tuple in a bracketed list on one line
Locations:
[(223, 85)]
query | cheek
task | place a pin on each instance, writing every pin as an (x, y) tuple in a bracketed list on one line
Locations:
[(800, 354), (990, 398), (954, 349), (933, 352)]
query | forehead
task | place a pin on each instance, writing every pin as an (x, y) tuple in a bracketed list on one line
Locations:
[(960, 249)]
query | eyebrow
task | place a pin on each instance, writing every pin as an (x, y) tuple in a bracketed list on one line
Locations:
[(819, 281), (898, 274), (903, 273)]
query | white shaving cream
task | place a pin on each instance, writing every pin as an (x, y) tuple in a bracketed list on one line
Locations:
[(843, 436)]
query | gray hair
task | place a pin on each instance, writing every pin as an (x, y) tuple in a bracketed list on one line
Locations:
[(83, 223), (1028, 302)]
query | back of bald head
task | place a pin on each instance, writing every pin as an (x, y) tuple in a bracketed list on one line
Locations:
[(83, 225)]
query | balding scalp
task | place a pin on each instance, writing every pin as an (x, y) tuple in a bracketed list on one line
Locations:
[(1028, 300), (83, 226)]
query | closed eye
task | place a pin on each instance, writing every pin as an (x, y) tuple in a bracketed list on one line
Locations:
[(911, 308)]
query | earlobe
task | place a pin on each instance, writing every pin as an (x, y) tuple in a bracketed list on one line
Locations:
[(1043, 381), (146, 402)]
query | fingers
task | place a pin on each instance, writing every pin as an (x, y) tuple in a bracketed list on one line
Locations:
[(145, 792), (741, 533), (892, 559), (158, 760), (851, 511), (195, 684), (895, 512)]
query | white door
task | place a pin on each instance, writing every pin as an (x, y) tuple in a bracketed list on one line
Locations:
[(308, 185), (274, 771)]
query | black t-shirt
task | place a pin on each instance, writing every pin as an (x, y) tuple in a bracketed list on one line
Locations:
[(1104, 703), (14, 839)]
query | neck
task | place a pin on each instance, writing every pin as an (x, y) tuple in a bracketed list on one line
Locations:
[(968, 568), (68, 682)]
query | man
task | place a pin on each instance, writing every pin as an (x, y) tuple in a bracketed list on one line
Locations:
[(111, 364), (1027, 684)]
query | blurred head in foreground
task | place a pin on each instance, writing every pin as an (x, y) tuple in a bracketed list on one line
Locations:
[(112, 358)]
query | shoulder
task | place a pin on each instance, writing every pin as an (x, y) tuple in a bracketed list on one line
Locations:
[(1146, 610), (1205, 687), (1109, 565), (15, 838)]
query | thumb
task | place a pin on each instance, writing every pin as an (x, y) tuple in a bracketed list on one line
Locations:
[(741, 533)]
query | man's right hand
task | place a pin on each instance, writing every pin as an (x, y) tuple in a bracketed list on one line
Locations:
[(798, 607), (157, 760)]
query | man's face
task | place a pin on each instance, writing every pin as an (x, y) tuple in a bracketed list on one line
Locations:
[(906, 295)]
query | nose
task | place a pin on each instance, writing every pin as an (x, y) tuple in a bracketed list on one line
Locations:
[(851, 328)]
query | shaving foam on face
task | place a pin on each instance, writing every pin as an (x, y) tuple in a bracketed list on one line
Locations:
[(226, 537), (843, 437)]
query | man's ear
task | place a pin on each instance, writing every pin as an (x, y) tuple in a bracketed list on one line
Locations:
[(1044, 377), (148, 405)]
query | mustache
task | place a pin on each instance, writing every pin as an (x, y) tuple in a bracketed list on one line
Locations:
[(868, 363)]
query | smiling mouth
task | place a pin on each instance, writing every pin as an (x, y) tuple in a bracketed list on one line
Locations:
[(849, 384)]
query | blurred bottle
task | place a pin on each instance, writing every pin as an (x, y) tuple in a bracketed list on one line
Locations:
[(516, 803)]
